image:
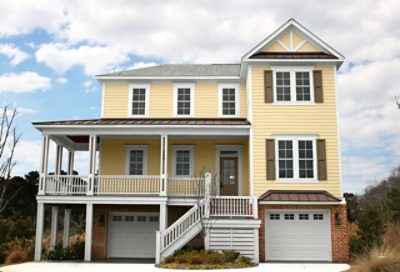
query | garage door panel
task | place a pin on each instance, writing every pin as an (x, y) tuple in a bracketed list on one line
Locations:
[(132, 235), (298, 235)]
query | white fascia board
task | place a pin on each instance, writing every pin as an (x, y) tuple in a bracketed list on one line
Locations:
[(147, 200), (143, 130)]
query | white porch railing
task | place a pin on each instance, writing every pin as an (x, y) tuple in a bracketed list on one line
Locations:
[(126, 185), (243, 206), (66, 185), (185, 186)]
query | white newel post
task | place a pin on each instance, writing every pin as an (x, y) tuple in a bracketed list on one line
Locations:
[(158, 247), (92, 164), (88, 232), (164, 165), (39, 231), (59, 155), (67, 219), (255, 206), (44, 165), (54, 226)]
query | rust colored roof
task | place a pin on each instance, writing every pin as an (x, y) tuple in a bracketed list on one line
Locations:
[(292, 55), (149, 122), (306, 196)]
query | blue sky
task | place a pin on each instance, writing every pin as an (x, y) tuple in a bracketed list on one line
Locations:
[(51, 50)]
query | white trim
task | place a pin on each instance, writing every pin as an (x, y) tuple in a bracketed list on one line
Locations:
[(222, 86), (283, 45), (189, 148), (293, 23), (140, 200), (129, 148), (300, 45), (250, 118), (295, 140), (239, 150), (147, 99), (102, 98), (191, 86), (292, 70), (338, 133)]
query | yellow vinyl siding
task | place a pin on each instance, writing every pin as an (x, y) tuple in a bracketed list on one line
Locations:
[(270, 119), (297, 39), (285, 39), (116, 102), (307, 47), (275, 47), (113, 155)]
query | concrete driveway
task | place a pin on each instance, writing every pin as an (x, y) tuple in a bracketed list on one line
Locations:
[(124, 267)]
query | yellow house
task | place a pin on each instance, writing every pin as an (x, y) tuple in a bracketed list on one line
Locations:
[(224, 156)]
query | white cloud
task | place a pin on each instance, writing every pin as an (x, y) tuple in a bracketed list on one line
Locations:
[(26, 110), (89, 86), (14, 53), (141, 64), (25, 82), (62, 80), (94, 59)]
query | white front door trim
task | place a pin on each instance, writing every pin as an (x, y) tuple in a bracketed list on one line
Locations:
[(239, 150)]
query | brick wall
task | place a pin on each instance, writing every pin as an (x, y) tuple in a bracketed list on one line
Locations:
[(339, 233), (101, 222)]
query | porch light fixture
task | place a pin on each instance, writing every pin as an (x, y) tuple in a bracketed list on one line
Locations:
[(338, 221)]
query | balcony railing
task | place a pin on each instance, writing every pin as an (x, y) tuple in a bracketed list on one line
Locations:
[(190, 187), (66, 185), (233, 206), (127, 185)]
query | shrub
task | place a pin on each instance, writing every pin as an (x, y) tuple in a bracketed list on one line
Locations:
[(18, 250), (230, 255), (371, 228), (245, 260), (381, 259), (169, 259), (75, 250), (214, 257)]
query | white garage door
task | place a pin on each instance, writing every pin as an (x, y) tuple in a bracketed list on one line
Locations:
[(298, 236), (132, 235)]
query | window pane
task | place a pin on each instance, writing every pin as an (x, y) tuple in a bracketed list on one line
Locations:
[(306, 160), (138, 101), (183, 97), (136, 162), (182, 164), (283, 86), (228, 101), (303, 86), (285, 160)]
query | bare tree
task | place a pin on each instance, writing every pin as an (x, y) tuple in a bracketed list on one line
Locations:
[(9, 138), (397, 100)]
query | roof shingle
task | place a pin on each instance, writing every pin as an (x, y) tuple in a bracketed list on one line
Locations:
[(300, 196)]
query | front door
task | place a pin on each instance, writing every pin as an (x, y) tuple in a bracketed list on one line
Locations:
[(228, 176)]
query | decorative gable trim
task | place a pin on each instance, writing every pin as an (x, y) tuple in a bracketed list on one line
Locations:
[(283, 28)]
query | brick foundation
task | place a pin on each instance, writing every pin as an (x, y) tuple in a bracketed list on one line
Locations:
[(101, 222), (339, 233)]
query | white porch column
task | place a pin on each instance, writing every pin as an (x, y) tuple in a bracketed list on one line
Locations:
[(67, 219), (164, 165), (163, 217), (92, 164), (59, 155), (71, 157), (39, 231), (88, 232), (54, 225), (44, 164)]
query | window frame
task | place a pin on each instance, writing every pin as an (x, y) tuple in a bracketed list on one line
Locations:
[(128, 150), (295, 143), (235, 86), (189, 148), (177, 86), (147, 100), (293, 96)]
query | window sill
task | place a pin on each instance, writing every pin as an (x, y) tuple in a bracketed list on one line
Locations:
[(296, 181), (295, 103)]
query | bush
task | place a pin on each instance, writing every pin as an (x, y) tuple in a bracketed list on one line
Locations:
[(17, 251), (381, 259), (230, 255), (75, 250)]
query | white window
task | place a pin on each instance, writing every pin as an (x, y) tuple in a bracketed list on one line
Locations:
[(183, 161), (293, 85), (184, 100), (136, 160), (296, 158), (139, 100), (228, 95)]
